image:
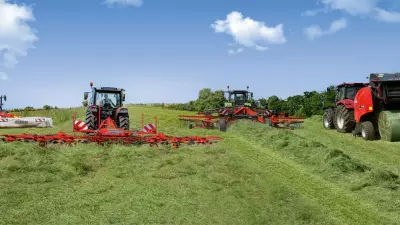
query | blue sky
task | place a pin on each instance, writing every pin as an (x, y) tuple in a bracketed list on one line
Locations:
[(166, 50)]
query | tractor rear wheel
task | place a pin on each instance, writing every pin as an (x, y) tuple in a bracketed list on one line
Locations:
[(368, 131), (123, 122), (344, 119), (222, 125), (328, 119), (90, 120)]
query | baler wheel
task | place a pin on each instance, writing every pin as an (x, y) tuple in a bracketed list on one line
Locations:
[(368, 131)]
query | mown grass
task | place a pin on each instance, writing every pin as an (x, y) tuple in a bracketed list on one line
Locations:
[(257, 175)]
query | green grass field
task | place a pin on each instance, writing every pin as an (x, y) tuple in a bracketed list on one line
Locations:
[(257, 175)]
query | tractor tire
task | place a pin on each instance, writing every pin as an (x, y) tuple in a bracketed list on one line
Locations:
[(328, 119), (344, 119), (368, 131), (91, 121), (123, 121), (222, 125), (268, 122)]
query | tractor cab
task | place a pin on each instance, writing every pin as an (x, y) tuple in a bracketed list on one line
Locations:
[(348, 91), (106, 97), (239, 98)]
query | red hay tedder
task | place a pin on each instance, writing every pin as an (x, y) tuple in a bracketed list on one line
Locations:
[(107, 130), (240, 106)]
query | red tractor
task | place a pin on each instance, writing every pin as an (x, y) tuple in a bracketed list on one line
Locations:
[(341, 117), (106, 102), (375, 111)]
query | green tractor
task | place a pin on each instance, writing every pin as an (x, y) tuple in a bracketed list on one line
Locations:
[(239, 98), (106, 102)]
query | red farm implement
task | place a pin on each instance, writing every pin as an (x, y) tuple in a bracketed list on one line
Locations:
[(229, 115), (107, 121), (108, 132), (240, 106)]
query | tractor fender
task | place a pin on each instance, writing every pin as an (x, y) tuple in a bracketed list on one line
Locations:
[(348, 103), (363, 103), (121, 110), (92, 109)]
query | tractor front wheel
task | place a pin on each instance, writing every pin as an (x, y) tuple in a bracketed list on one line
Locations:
[(328, 119), (91, 120), (222, 125), (123, 122), (368, 131), (344, 119)]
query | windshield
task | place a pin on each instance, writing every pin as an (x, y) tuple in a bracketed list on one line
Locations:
[(108, 99), (240, 96), (351, 92)]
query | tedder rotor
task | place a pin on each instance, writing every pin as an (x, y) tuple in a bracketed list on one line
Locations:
[(240, 105)]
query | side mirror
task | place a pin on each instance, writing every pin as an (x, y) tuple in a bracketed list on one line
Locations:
[(123, 97), (5, 98), (85, 96), (251, 94)]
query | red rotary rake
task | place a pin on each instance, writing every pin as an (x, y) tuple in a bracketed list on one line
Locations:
[(241, 105), (108, 132), (226, 115)]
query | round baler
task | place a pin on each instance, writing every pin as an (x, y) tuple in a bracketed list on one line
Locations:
[(377, 108)]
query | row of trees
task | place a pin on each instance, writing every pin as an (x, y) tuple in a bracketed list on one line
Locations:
[(305, 105), (30, 108)]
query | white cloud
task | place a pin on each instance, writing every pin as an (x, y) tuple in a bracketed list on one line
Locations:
[(315, 31), (312, 12), (136, 3), (387, 16), (249, 33), (232, 51), (353, 7), (16, 37), (368, 8), (3, 76)]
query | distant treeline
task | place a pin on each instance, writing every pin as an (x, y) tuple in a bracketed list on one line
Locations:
[(30, 108)]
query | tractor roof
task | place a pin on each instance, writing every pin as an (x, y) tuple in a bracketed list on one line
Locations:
[(352, 85), (106, 89), (384, 77), (238, 91)]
